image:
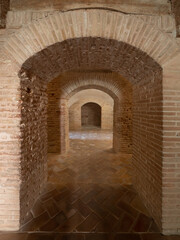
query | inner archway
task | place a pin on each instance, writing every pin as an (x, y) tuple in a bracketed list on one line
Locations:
[(72, 90), (97, 96), (143, 77), (91, 115)]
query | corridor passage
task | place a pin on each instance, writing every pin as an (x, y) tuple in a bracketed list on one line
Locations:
[(89, 196), (90, 190)]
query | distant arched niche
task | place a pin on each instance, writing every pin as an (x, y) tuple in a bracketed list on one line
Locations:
[(91, 115)]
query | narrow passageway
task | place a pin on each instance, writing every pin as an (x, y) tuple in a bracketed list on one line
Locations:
[(89, 190), (66, 66)]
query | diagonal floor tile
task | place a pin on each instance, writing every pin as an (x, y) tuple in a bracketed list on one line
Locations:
[(89, 223), (82, 208)]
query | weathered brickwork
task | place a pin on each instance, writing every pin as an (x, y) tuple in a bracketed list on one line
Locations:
[(57, 119), (53, 118), (102, 41), (64, 125), (33, 141)]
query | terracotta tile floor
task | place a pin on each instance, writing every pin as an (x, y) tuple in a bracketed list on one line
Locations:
[(89, 195)]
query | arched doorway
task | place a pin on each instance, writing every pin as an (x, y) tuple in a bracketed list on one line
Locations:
[(123, 49), (91, 94), (91, 115)]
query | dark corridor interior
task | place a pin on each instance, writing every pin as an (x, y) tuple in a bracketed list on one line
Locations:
[(91, 115)]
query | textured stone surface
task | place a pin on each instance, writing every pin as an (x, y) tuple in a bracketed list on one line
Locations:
[(34, 141)]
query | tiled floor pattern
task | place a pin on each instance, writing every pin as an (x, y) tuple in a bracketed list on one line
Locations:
[(86, 236), (90, 208), (89, 196)]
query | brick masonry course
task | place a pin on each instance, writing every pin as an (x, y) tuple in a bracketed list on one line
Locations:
[(90, 40)]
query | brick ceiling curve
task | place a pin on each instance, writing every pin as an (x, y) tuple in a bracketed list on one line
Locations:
[(43, 34), (92, 54)]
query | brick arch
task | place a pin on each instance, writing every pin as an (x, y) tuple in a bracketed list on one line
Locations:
[(67, 85), (98, 102), (136, 50), (100, 54), (121, 93), (91, 54), (91, 94), (97, 86), (58, 27), (97, 112), (106, 112), (111, 83)]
